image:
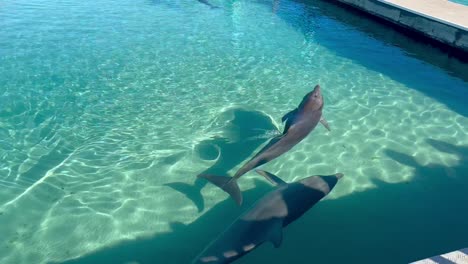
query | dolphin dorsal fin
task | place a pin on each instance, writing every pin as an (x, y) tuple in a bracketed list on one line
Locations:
[(289, 115), (289, 118), (271, 177), (275, 235)]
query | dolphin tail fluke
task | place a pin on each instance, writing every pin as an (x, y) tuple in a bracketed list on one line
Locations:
[(228, 184)]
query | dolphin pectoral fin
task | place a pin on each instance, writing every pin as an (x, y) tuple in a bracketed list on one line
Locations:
[(228, 184), (271, 177), (325, 123), (275, 235)]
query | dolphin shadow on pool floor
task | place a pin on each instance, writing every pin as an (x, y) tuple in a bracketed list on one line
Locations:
[(182, 244), (390, 223), (244, 131)]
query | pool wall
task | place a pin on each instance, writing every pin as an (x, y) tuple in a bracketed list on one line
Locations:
[(442, 21)]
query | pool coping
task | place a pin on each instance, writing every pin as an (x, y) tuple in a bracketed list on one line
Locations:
[(463, 25), (442, 21), (455, 257)]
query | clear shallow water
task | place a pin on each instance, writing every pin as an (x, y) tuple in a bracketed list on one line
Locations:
[(109, 111), (463, 2)]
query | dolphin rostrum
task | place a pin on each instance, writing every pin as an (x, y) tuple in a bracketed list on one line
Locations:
[(299, 123), (265, 220)]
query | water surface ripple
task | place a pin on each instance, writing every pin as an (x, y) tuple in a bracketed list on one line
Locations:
[(108, 111)]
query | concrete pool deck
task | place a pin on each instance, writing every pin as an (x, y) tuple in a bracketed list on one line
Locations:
[(455, 257), (441, 20)]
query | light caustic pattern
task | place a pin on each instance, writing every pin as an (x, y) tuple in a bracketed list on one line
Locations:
[(103, 104)]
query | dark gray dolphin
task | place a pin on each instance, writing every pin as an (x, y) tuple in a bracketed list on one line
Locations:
[(299, 123), (265, 220)]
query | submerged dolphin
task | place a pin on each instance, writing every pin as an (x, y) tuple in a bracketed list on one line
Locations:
[(265, 220), (299, 123), (208, 4)]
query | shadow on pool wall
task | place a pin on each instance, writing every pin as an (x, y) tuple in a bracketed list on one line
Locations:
[(242, 132), (424, 82), (343, 230)]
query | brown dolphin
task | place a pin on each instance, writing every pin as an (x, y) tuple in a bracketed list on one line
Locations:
[(299, 123)]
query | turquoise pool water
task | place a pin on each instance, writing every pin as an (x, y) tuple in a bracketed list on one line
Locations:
[(463, 2), (109, 110)]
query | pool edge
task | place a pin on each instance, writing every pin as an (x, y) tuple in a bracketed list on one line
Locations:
[(449, 34)]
